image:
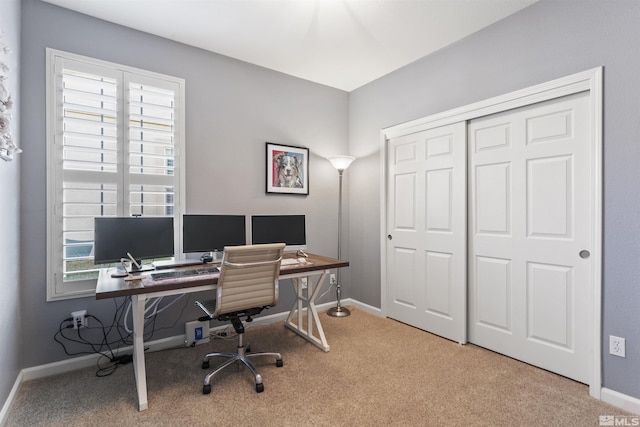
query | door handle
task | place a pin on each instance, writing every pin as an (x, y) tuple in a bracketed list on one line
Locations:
[(389, 237), (584, 254)]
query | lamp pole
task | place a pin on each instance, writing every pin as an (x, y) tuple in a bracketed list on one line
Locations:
[(340, 163)]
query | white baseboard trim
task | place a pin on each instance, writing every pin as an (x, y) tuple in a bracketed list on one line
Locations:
[(362, 306), (75, 363), (81, 362), (4, 413), (619, 400)]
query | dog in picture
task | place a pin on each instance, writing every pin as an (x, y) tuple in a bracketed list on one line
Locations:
[(287, 169)]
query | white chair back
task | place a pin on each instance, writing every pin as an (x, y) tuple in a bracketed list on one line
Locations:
[(248, 277)]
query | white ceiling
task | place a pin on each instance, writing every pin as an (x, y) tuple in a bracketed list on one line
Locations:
[(340, 43)]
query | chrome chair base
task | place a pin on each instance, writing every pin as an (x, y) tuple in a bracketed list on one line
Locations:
[(241, 356)]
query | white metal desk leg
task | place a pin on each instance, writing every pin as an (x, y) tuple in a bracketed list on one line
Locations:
[(312, 314), (137, 306)]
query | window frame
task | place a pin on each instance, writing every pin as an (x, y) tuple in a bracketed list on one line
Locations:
[(57, 287)]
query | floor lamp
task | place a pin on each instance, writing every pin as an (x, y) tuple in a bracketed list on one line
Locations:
[(340, 163)]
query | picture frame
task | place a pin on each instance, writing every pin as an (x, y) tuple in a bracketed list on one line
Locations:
[(287, 169)]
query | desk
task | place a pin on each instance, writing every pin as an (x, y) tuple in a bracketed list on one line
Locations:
[(144, 287)]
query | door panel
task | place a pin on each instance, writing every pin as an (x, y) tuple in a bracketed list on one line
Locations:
[(493, 281), (437, 272), (405, 290), (493, 210), (549, 182), (439, 199), (426, 223), (530, 215), (550, 292)]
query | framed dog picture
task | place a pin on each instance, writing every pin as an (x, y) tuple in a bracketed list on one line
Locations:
[(287, 169)]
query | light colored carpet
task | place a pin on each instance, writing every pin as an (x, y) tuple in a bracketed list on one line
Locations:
[(379, 372)]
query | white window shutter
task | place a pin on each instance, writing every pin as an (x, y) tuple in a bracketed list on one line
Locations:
[(113, 138)]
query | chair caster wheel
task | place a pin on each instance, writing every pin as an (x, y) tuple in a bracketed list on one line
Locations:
[(259, 388), (205, 364), (279, 363), (206, 389)]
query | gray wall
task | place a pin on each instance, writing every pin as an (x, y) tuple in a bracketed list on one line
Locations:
[(232, 109), (10, 319), (548, 40)]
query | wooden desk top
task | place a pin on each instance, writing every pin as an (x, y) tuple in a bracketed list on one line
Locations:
[(111, 287)]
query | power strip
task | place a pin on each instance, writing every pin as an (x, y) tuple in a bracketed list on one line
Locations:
[(196, 333)]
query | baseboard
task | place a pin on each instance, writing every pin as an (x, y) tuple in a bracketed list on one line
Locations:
[(4, 413), (362, 306), (81, 362), (75, 363), (619, 400)]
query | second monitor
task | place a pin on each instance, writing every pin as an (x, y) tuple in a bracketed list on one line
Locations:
[(211, 233), (288, 229)]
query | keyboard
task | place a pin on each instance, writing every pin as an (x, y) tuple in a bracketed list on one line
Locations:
[(183, 273)]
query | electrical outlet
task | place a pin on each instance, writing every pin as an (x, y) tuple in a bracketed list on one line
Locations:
[(617, 346), (332, 279), (80, 319)]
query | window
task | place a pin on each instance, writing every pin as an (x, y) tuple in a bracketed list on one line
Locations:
[(115, 138)]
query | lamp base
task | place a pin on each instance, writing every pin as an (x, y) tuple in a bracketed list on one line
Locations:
[(338, 311)]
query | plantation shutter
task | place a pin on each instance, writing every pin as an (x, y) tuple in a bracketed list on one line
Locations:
[(151, 148), (115, 143)]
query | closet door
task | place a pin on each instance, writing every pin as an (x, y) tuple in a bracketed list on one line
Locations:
[(426, 230), (530, 231)]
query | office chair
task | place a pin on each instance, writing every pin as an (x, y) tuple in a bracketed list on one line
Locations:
[(248, 284)]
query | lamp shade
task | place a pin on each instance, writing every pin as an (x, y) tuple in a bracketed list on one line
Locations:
[(341, 162)]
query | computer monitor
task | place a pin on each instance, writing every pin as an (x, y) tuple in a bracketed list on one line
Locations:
[(211, 233), (143, 238), (287, 229)]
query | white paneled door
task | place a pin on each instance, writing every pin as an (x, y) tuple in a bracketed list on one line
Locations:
[(501, 258), (426, 226), (530, 230)]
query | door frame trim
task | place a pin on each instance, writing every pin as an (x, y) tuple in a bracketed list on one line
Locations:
[(589, 80)]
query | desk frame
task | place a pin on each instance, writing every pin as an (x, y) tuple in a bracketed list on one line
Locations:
[(320, 266), (138, 305), (295, 319)]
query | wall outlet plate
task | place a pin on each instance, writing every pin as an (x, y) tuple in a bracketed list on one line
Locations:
[(617, 346), (80, 319), (196, 333)]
